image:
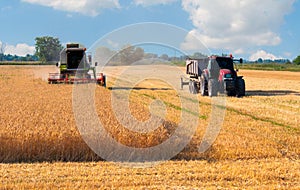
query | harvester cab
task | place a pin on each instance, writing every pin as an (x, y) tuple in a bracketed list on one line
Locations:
[(75, 66)]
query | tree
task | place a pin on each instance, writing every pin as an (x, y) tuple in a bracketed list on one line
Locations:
[(47, 48), (131, 54), (297, 60), (103, 55), (198, 55), (164, 57), (138, 54)]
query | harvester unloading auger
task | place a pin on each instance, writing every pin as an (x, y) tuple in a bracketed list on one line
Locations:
[(76, 67)]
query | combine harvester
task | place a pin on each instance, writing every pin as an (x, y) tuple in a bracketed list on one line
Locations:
[(76, 67), (213, 75)]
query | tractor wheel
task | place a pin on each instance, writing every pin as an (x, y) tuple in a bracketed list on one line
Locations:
[(213, 87), (240, 88), (203, 87), (231, 93), (104, 81)]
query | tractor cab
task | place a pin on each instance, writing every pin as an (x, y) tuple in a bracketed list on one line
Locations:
[(225, 63)]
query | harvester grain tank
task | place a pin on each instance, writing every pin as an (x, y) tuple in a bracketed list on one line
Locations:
[(213, 75), (76, 67)]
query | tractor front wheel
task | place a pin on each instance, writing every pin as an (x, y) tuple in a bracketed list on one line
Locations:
[(240, 88)]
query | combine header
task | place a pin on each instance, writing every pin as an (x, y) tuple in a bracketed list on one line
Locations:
[(76, 67), (213, 75)]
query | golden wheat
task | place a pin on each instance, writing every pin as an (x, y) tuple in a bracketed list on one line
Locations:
[(258, 145)]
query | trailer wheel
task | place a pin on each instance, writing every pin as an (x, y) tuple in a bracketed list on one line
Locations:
[(213, 87), (240, 88), (195, 88), (191, 86), (203, 86)]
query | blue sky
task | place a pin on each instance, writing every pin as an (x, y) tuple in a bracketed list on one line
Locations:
[(250, 28)]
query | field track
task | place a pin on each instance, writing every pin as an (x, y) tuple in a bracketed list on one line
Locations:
[(40, 146)]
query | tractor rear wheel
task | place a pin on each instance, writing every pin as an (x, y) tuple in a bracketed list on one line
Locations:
[(203, 86), (213, 87), (240, 88)]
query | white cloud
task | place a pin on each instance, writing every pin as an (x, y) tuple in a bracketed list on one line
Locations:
[(239, 51), (153, 2), (264, 55), (21, 49), (86, 7), (287, 54), (237, 24), (192, 42), (113, 44)]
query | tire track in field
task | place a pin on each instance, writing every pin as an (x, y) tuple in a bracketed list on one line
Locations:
[(256, 118)]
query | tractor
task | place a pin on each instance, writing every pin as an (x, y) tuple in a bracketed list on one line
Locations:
[(213, 75), (76, 67)]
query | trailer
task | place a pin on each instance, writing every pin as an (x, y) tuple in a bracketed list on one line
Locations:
[(214, 75), (76, 67)]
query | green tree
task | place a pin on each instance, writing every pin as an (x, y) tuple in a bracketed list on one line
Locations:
[(164, 57), (138, 54), (297, 60), (198, 55), (47, 48)]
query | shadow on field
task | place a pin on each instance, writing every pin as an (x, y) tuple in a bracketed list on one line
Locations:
[(271, 93), (137, 88)]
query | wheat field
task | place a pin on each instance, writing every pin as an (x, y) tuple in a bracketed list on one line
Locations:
[(41, 147)]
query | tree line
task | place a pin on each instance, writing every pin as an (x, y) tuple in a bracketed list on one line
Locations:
[(47, 49)]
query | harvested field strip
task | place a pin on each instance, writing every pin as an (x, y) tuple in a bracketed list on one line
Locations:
[(170, 105), (256, 118)]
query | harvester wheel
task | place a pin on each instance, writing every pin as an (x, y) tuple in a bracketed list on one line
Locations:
[(240, 88), (203, 86), (213, 87)]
